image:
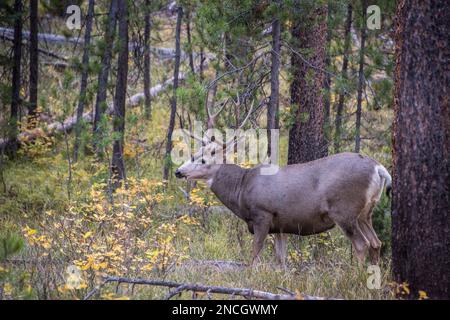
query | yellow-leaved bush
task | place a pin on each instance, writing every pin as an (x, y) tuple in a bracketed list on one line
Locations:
[(115, 234)]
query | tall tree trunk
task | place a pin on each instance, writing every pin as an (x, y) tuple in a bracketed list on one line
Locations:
[(118, 165), (273, 108), (12, 144), (361, 79), (421, 141), (84, 77), (100, 102), (173, 103), (306, 135), (327, 85), (34, 67), (189, 40), (344, 73), (147, 66)]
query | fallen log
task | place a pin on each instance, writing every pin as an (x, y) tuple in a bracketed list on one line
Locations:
[(161, 52), (68, 124), (42, 51), (180, 287)]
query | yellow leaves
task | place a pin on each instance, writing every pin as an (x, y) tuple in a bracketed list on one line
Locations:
[(405, 288), (422, 295), (201, 198), (92, 263), (112, 296), (28, 231), (299, 295), (188, 220), (33, 238), (87, 235), (115, 239), (7, 289), (400, 288)]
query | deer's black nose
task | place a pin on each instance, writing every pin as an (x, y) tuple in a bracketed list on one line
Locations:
[(178, 174)]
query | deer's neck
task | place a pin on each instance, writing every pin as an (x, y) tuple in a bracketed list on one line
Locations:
[(227, 185)]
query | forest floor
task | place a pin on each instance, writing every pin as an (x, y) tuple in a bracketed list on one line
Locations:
[(149, 230)]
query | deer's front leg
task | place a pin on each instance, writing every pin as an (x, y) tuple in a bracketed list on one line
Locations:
[(261, 226)]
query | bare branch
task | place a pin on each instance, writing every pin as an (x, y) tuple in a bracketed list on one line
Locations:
[(180, 287)]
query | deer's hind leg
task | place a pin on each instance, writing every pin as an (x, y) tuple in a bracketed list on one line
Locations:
[(365, 222), (351, 228)]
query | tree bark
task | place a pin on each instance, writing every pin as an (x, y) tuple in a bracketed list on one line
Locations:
[(12, 145), (147, 66), (173, 104), (361, 79), (34, 67), (84, 78), (421, 148), (100, 102), (188, 34), (344, 73), (327, 85), (306, 135), (273, 108), (117, 164)]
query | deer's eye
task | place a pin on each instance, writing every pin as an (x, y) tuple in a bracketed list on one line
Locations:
[(213, 152), (203, 161)]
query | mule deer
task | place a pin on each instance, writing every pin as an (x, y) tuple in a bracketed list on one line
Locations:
[(302, 199)]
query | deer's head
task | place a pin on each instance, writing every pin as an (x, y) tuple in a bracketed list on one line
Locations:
[(204, 163)]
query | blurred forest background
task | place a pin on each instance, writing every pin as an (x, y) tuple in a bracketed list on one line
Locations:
[(87, 116)]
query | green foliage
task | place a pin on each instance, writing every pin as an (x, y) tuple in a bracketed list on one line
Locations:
[(10, 244)]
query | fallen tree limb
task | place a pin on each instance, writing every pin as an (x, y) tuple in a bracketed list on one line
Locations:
[(161, 53), (69, 123), (45, 52), (180, 287)]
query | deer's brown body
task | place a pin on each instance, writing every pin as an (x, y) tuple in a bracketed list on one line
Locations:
[(303, 199)]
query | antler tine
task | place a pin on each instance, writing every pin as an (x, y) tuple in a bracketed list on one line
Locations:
[(192, 135), (248, 115), (228, 142), (221, 108)]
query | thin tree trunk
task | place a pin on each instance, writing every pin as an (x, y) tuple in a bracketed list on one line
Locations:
[(306, 135), (34, 67), (173, 104), (117, 164), (202, 59), (147, 66), (100, 102), (344, 73), (273, 108), (16, 80), (361, 79), (421, 148), (188, 34), (327, 85), (84, 78)]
